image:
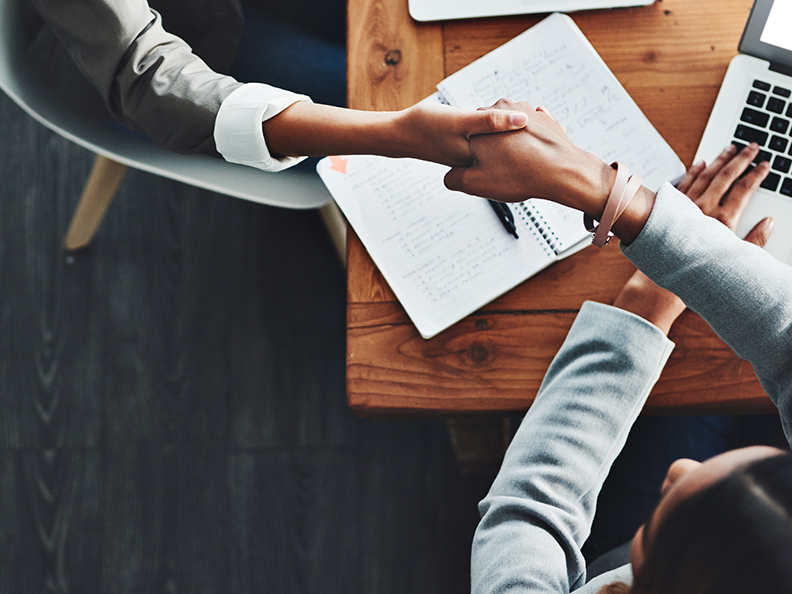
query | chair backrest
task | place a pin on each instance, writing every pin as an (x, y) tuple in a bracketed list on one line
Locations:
[(19, 80)]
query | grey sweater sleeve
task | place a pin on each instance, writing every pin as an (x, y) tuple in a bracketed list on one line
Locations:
[(149, 79), (744, 293), (539, 510)]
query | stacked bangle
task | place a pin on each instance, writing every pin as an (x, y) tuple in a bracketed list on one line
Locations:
[(623, 191)]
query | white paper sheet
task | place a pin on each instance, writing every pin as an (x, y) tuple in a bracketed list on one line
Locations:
[(443, 253)]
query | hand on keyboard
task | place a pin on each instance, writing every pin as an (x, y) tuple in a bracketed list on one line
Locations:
[(723, 189)]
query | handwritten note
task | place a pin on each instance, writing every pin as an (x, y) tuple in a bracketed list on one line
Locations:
[(444, 254), (553, 64)]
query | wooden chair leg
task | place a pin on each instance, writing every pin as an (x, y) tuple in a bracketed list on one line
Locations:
[(336, 225), (102, 185)]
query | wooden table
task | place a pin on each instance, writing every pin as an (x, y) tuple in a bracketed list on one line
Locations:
[(671, 57)]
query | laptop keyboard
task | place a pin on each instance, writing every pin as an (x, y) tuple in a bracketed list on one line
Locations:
[(765, 120)]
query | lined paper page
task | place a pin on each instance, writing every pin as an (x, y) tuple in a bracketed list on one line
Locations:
[(554, 65), (443, 253)]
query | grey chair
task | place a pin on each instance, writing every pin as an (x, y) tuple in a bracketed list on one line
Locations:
[(116, 151)]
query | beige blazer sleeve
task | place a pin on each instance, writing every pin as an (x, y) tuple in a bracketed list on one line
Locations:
[(149, 79)]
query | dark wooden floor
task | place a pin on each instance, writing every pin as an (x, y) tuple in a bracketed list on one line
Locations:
[(172, 406)]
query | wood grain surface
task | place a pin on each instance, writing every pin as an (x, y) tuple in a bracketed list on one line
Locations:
[(390, 63), (671, 57)]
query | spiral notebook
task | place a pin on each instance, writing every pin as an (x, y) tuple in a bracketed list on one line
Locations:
[(446, 254)]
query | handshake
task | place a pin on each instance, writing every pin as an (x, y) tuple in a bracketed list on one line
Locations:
[(535, 161), (510, 152)]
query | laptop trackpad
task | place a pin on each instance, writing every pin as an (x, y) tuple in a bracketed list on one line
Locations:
[(765, 204)]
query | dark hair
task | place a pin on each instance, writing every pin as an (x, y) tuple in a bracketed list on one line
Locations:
[(733, 537)]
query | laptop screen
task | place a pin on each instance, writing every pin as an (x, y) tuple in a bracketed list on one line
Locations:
[(767, 34), (776, 30)]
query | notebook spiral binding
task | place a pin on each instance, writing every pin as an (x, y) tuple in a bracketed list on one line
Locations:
[(527, 210)]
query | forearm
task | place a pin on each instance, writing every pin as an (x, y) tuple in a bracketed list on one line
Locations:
[(654, 304), (427, 130), (310, 129), (539, 509)]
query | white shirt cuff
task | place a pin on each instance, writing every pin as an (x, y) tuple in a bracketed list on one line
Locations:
[(238, 134)]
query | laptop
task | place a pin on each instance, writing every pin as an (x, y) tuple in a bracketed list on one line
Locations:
[(755, 104), (440, 10)]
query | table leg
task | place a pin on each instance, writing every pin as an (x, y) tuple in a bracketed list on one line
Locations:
[(479, 442)]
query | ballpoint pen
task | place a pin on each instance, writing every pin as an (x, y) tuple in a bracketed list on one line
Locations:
[(505, 215)]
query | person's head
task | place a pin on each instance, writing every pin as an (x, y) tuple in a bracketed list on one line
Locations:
[(723, 526)]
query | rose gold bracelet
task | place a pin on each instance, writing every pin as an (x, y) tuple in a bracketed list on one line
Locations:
[(623, 191)]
